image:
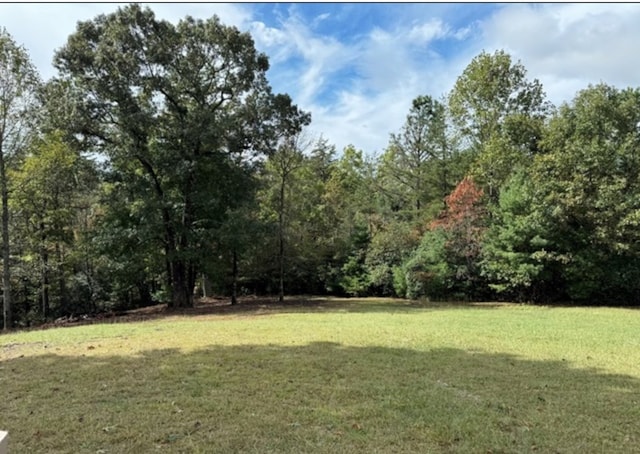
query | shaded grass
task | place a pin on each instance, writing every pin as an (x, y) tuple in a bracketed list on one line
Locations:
[(357, 376)]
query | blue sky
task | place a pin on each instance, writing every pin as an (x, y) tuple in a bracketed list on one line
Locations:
[(356, 67)]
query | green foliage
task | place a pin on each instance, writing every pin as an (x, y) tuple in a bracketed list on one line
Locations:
[(19, 83), (349, 194), (561, 230), (354, 279), (511, 255), (499, 114), (400, 281), (492, 95), (427, 273), (390, 246), (179, 110), (447, 262), (19, 106), (325, 220), (51, 192), (587, 185), (414, 170), (205, 175), (131, 263)]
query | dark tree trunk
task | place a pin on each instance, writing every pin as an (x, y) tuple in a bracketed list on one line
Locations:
[(144, 293), (44, 255), (281, 240), (6, 253), (444, 180), (64, 300), (182, 285), (183, 271), (234, 284), (45, 284)]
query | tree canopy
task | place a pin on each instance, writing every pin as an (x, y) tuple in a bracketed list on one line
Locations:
[(159, 166), (177, 110)]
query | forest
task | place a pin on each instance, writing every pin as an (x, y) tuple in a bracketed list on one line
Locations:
[(159, 166)]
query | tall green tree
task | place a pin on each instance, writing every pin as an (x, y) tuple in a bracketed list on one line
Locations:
[(517, 246), (236, 239), (19, 82), (414, 170), (499, 114), (315, 222), (283, 167), (414, 175), (350, 193), (49, 189), (178, 111), (589, 190), (568, 226)]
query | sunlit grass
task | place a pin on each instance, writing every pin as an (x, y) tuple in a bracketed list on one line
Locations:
[(336, 376)]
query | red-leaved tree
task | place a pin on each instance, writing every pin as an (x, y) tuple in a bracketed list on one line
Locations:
[(463, 221)]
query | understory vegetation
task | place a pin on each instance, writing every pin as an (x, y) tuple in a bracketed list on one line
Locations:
[(329, 376), (158, 165)]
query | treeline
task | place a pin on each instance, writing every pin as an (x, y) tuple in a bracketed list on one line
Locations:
[(159, 164)]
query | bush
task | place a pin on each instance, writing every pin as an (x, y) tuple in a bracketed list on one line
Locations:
[(400, 281), (427, 273)]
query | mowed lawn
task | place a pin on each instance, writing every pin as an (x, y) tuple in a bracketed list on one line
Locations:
[(333, 376)]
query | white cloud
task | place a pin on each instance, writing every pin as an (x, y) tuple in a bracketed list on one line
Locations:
[(383, 60), (44, 27), (377, 72), (393, 67), (428, 31), (321, 56), (268, 36), (364, 121), (319, 18), (387, 70), (234, 14), (568, 46), (370, 102), (273, 41)]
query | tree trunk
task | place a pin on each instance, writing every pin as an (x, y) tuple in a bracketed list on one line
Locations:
[(183, 271), (206, 286), (44, 256), (444, 181), (234, 284), (181, 287), (6, 253), (45, 284), (62, 285), (177, 275), (418, 192), (281, 240), (144, 293)]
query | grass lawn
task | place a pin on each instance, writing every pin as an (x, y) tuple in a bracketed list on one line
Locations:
[(330, 376)]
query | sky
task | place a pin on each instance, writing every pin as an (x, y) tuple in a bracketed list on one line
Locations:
[(356, 67)]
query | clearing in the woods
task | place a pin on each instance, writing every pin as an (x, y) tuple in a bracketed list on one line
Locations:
[(327, 376)]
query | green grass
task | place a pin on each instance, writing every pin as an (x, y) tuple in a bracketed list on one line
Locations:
[(338, 376)]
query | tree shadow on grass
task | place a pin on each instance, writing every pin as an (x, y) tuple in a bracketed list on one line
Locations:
[(318, 398)]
